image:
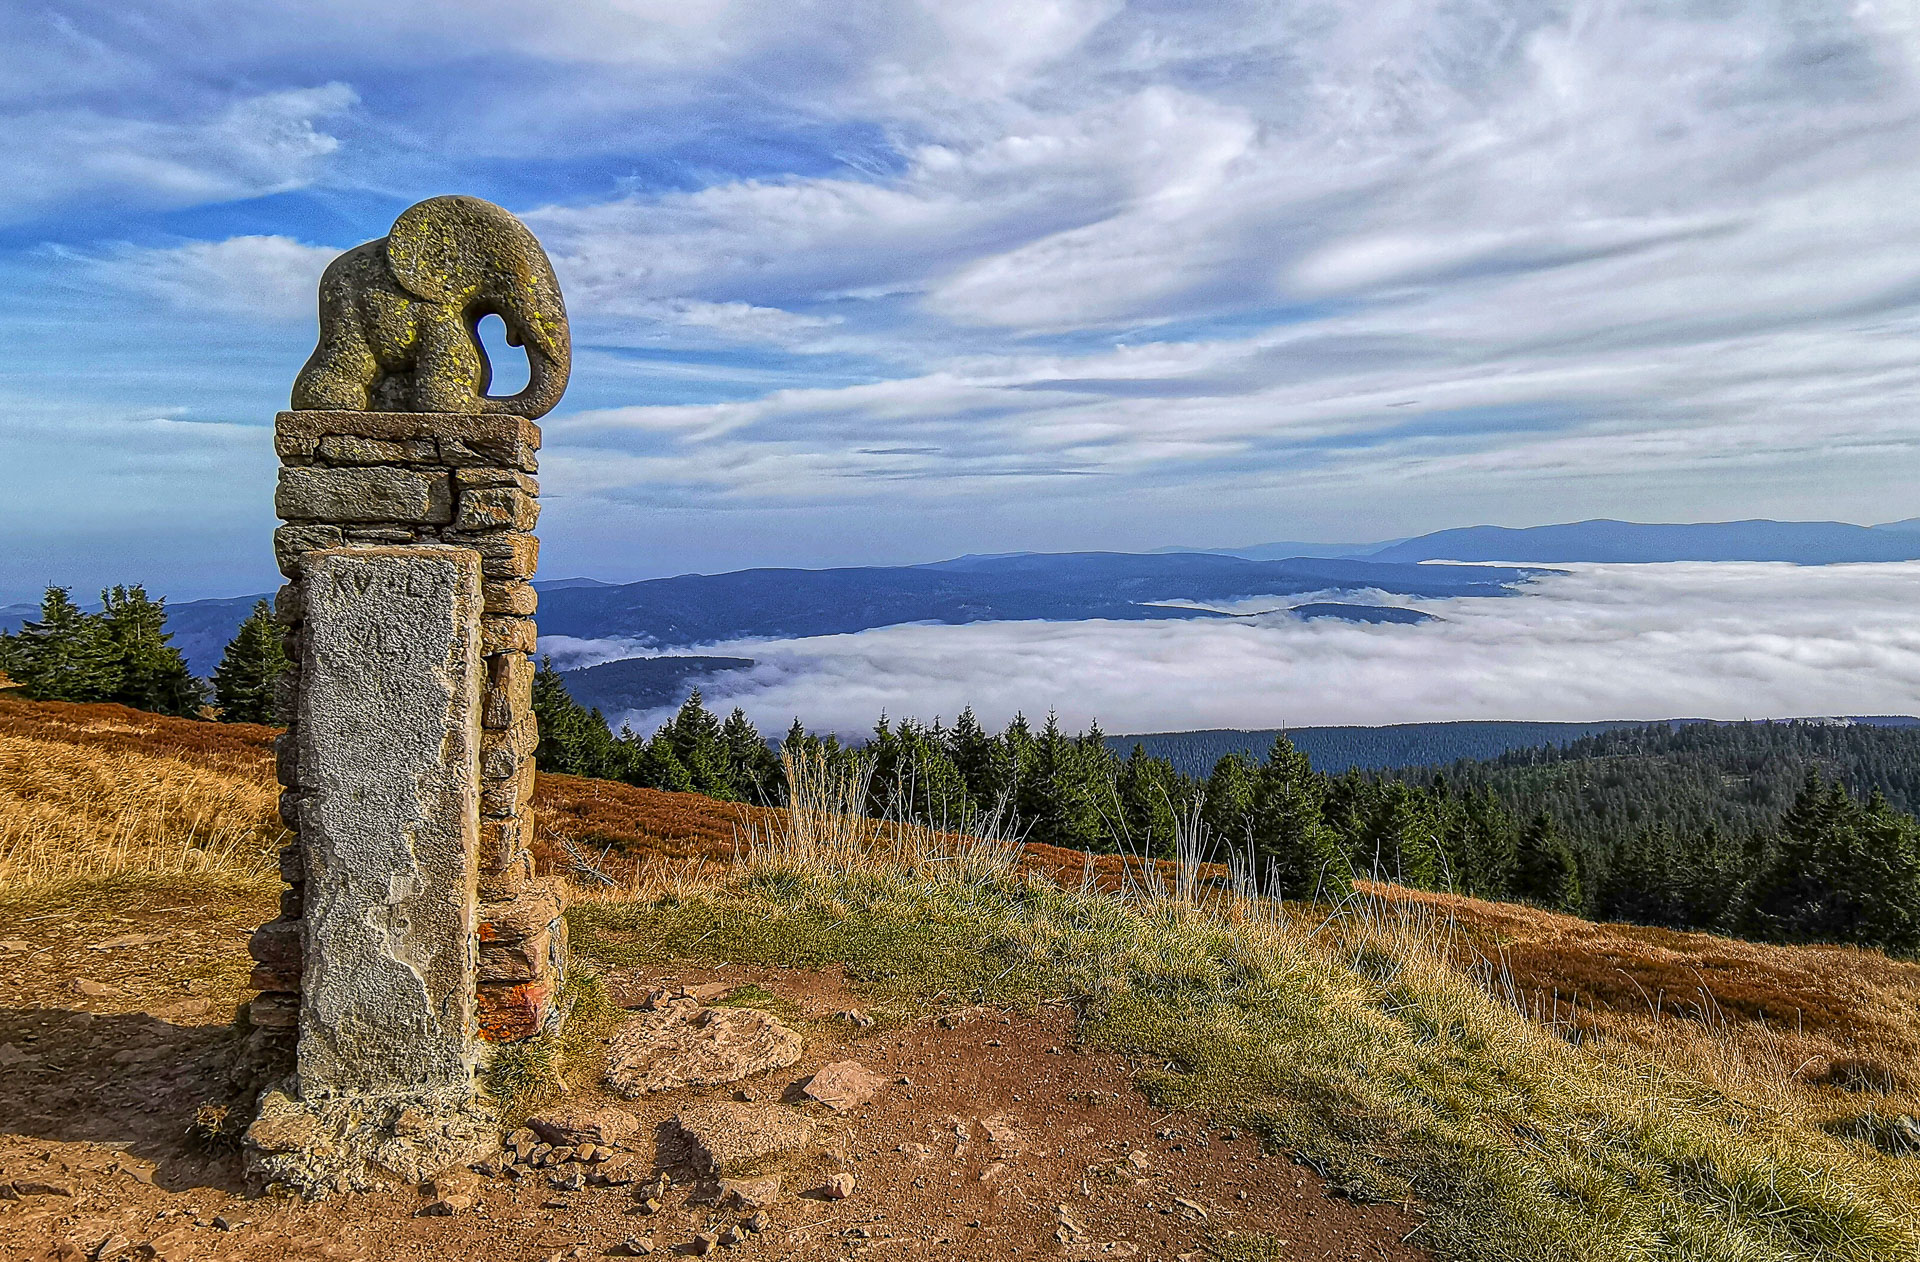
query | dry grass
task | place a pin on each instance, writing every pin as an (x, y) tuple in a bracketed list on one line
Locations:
[(75, 811)]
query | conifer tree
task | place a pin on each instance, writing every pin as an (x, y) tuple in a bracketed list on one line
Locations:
[(67, 655), (1544, 868), (153, 675), (1148, 799), (243, 683), (693, 735), (751, 766), (574, 740), (1295, 854)]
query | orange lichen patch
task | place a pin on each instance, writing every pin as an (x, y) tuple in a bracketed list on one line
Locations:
[(513, 1012)]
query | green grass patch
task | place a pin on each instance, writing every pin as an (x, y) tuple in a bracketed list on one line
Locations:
[(1359, 1047), (520, 1078)]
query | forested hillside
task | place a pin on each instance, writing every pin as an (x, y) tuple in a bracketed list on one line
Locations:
[(1739, 777), (1336, 749), (1777, 831)]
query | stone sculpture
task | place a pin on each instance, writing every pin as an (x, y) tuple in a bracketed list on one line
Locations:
[(399, 317), (413, 933)]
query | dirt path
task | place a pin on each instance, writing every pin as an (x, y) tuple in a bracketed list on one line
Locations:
[(994, 1136)]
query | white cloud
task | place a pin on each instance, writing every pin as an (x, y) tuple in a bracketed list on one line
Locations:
[(260, 144), (270, 278), (1726, 641)]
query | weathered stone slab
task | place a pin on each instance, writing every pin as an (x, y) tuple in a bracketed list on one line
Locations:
[(388, 761), (733, 1139), (462, 438), (680, 1043), (378, 494)]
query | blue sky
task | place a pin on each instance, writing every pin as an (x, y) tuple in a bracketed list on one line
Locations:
[(884, 282)]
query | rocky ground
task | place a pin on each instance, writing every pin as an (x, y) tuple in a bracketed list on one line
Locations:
[(976, 1133)]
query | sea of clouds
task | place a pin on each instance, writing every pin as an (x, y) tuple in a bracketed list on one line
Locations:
[(1589, 642)]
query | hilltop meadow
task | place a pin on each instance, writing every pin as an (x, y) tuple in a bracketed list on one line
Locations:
[(1523, 1084)]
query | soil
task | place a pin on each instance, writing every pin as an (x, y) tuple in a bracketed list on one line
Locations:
[(995, 1135)]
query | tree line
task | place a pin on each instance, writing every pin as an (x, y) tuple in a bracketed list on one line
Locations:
[(123, 653), (1831, 864), (1645, 825)]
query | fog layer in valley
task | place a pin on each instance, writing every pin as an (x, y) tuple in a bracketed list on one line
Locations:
[(1712, 640)]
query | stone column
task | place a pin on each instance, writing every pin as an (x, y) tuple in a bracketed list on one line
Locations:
[(423, 481), (388, 760)]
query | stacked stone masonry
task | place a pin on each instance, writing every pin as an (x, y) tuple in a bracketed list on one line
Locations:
[(393, 479)]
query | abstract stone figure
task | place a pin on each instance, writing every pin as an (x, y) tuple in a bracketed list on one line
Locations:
[(399, 317)]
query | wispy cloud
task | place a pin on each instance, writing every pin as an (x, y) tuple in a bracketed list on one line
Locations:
[(1044, 273), (255, 145)]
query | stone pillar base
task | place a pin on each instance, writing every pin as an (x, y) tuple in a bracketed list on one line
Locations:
[(316, 1148)]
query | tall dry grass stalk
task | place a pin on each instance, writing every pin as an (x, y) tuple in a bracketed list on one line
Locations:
[(824, 830), (76, 812)]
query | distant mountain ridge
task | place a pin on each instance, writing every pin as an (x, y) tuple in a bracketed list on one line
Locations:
[(1626, 542), (695, 609), (1801, 542)]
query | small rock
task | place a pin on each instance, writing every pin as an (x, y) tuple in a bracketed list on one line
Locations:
[(40, 1187), (843, 1085), (11, 1056), (727, 1137), (704, 1243), (221, 1223), (560, 1153), (582, 1126), (685, 1045), (992, 1171), (758, 1223), (1004, 1132), (648, 1205), (749, 1194), (856, 1018), (446, 1206), (112, 1247), (632, 1247), (455, 1182), (838, 1187), (94, 990), (618, 1172), (730, 1236), (571, 1179), (16, 944)]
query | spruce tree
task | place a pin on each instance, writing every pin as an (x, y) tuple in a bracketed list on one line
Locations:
[(751, 766), (574, 740), (1544, 868), (67, 655), (1295, 854), (153, 675), (693, 736), (243, 683)]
